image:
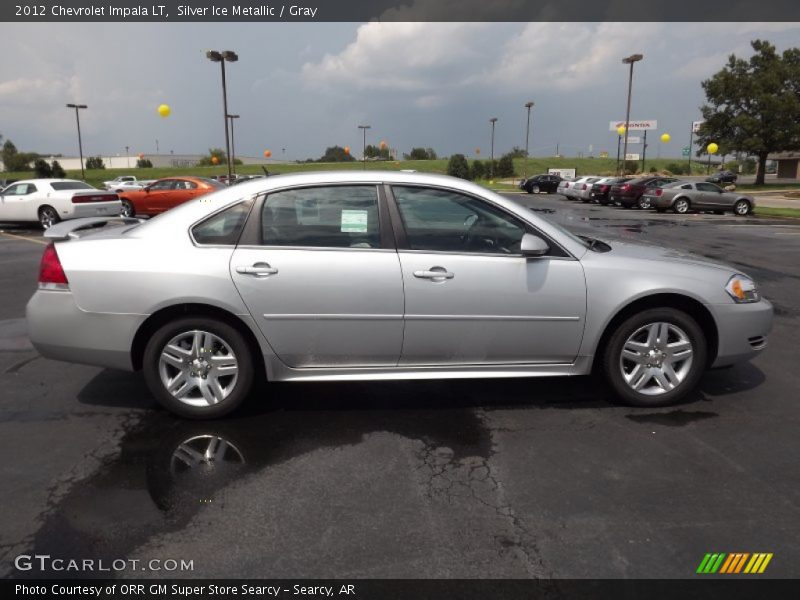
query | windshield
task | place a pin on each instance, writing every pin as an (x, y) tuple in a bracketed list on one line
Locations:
[(70, 185)]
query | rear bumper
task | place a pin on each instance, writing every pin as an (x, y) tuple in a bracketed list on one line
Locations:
[(60, 330), (94, 209), (742, 329)]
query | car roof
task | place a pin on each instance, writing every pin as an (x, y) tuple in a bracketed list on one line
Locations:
[(46, 180)]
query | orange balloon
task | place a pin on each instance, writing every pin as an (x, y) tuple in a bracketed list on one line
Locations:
[(267, 153), (383, 144), (214, 160), (141, 154), (477, 150), (347, 149)]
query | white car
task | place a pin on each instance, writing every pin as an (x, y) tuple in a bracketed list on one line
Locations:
[(117, 181), (49, 201), (128, 186)]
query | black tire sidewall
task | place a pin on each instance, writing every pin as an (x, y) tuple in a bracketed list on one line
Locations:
[(610, 358), (737, 213), (226, 332)]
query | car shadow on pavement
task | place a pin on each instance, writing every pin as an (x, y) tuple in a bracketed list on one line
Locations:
[(121, 389)]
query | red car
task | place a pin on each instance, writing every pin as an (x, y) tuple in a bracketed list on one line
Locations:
[(163, 194), (629, 193)]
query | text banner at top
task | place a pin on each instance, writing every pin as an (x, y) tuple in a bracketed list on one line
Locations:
[(401, 10)]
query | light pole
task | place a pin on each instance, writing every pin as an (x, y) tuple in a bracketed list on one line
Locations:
[(127, 156), (77, 107), (233, 141), (221, 57), (364, 147), (633, 58), (493, 120), (528, 105)]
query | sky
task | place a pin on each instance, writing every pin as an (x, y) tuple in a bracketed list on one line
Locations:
[(303, 87)]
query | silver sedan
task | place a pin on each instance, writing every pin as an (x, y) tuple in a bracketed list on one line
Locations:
[(683, 196), (380, 275)]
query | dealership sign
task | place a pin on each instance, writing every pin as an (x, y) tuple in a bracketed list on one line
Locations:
[(696, 126), (633, 125), (634, 139), (631, 156), (563, 173)]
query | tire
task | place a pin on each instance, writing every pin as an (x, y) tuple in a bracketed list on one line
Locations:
[(48, 216), (127, 209), (534, 189), (603, 202), (188, 366), (681, 206), (640, 334), (642, 203), (742, 208)]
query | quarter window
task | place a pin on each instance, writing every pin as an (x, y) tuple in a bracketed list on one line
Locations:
[(445, 221), (223, 228), (327, 217)]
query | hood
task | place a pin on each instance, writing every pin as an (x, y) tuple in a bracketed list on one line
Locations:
[(665, 255)]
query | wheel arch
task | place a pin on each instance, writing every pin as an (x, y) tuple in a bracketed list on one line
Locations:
[(687, 304), (169, 313)]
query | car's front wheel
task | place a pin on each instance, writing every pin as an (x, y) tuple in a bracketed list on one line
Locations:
[(655, 357), (681, 206), (198, 367)]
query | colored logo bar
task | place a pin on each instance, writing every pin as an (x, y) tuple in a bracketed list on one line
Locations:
[(734, 563)]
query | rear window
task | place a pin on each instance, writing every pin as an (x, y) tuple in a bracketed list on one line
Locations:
[(223, 228), (70, 185), (212, 182)]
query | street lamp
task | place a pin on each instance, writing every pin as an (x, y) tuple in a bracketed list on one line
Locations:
[(493, 120), (364, 148), (127, 156), (633, 58), (528, 105), (221, 57), (77, 107), (233, 143)]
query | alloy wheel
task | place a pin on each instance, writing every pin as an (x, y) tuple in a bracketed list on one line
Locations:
[(742, 207), (198, 368), (656, 358), (681, 206), (48, 217)]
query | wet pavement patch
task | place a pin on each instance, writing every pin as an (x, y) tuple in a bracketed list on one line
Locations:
[(675, 418)]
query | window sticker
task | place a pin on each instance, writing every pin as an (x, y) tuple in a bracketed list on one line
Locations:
[(354, 221)]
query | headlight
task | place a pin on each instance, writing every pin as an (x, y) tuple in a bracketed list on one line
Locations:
[(742, 289)]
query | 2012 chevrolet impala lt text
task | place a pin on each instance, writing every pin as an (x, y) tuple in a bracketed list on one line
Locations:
[(380, 275)]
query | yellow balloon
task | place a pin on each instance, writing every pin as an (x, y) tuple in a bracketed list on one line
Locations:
[(712, 148), (214, 160), (621, 130), (164, 110), (665, 137)]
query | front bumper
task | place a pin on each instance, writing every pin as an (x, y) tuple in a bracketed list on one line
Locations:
[(60, 330), (742, 329)]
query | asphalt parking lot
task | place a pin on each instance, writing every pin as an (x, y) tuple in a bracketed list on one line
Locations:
[(472, 479)]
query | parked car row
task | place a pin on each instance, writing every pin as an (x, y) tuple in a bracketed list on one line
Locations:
[(657, 192)]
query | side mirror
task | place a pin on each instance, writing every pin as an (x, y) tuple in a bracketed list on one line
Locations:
[(533, 245)]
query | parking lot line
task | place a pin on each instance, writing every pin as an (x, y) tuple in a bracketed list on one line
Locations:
[(22, 237)]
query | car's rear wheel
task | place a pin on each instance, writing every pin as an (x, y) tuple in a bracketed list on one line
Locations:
[(681, 206), (198, 367), (741, 208), (48, 216), (643, 203), (655, 357), (127, 208)]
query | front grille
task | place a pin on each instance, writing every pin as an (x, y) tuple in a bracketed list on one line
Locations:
[(757, 342)]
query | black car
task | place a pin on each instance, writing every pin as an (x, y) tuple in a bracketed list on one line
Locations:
[(723, 177), (600, 191), (540, 183)]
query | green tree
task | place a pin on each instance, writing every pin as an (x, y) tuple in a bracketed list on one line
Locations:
[(144, 163), (505, 168), (478, 170), (214, 153), (14, 160), (376, 152), (336, 154), (421, 154), (42, 169), (517, 152), (753, 105), (58, 170), (458, 166), (95, 162)]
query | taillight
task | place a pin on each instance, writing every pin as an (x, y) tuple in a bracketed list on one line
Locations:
[(584, 186), (94, 198), (626, 187), (51, 273), (659, 191)]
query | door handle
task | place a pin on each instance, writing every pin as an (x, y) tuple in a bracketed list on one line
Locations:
[(434, 273), (258, 270)]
